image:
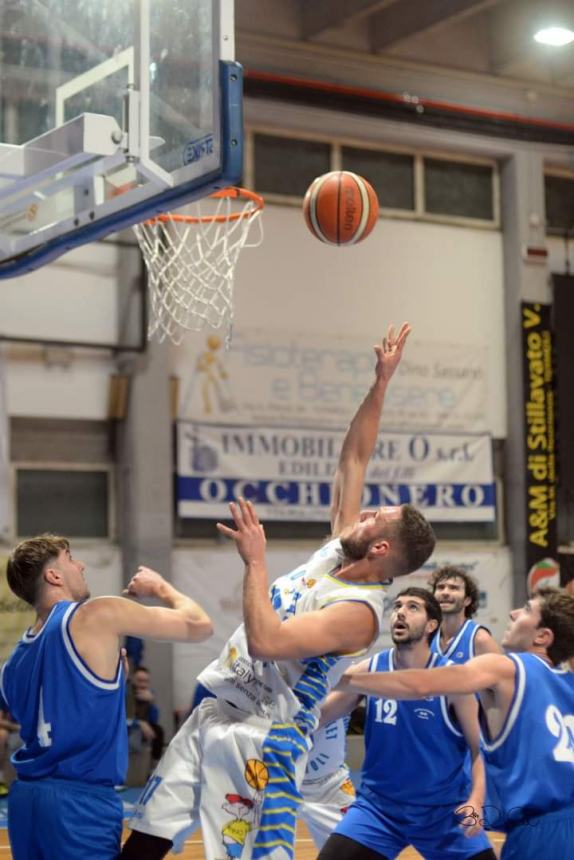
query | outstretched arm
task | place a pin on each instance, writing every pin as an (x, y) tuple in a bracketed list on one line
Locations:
[(339, 704), (343, 627), (180, 619), (480, 673), (361, 438), (466, 710)]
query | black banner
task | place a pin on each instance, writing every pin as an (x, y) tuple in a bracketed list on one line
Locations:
[(539, 431)]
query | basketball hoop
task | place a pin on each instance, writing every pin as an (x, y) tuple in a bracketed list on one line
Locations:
[(190, 259)]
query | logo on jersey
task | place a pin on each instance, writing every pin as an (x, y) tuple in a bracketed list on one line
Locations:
[(423, 713)]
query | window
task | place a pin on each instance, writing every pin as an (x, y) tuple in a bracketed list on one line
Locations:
[(288, 166), (73, 502), (458, 189), (408, 184), (391, 174), (559, 204)]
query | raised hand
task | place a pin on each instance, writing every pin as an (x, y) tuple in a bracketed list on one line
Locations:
[(145, 583), (389, 352), (249, 535)]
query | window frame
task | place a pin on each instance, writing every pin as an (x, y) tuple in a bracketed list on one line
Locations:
[(58, 466), (419, 155)]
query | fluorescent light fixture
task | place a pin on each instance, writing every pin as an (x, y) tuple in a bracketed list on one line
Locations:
[(556, 36)]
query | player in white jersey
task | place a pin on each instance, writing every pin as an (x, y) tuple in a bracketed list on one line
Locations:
[(527, 722), (237, 763)]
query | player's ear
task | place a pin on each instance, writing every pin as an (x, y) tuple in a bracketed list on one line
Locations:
[(379, 549), (432, 625), (544, 637), (52, 575)]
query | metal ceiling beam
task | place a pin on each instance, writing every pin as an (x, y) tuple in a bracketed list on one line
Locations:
[(320, 15), (407, 18)]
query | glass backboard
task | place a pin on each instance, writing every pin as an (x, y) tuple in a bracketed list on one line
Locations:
[(111, 111)]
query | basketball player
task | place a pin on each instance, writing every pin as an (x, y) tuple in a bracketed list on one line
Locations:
[(65, 685), (458, 637), (237, 763), (413, 778), (527, 721)]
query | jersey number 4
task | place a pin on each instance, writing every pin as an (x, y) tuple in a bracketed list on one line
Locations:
[(562, 727), (44, 728)]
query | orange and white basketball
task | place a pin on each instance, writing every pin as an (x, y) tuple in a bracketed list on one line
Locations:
[(256, 774), (340, 208)]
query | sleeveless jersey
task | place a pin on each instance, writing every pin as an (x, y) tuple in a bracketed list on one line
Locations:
[(415, 752), (282, 689), (461, 648), (531, 761), (73, 724)]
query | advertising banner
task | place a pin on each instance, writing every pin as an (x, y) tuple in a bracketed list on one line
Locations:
[(289, 472), (540, 442)]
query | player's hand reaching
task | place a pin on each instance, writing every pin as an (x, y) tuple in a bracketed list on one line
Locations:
[(145, 583), (389, 352), (249, 535)]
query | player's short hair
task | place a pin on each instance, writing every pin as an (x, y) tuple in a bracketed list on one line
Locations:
[(416, 540), (432, 606), (557, 613), (27, 561), (450, 571)]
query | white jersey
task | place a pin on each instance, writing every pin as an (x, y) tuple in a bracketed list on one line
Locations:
[(285, 689)]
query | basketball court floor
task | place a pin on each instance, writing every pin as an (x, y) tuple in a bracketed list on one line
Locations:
[(305, 849)]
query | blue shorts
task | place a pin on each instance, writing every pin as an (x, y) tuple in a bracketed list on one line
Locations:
[(549, 835), (389, 827), (58, 819)]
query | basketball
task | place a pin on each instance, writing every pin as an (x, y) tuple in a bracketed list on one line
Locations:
[(340, 208), (256, 774)]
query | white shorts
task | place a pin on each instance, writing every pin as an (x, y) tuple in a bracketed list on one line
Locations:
[(325, 801), (211, 774)]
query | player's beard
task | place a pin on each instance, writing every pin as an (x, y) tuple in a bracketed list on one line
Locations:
[(414, 637), (355, 548), (453, 608)]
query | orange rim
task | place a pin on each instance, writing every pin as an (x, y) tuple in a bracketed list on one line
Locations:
[(232, 192)]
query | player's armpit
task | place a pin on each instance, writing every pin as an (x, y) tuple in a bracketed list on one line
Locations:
[(345, 627)]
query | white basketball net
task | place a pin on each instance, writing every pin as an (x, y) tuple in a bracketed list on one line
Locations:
[(190, 256)]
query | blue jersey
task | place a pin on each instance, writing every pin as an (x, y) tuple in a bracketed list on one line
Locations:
[(415, 751), (531, 761), (461, 646), (73, 723)]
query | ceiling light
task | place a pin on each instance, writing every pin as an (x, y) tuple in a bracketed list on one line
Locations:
[(557, 36)]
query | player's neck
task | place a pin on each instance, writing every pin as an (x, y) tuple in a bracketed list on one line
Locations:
[(359, 571), (43, 610), (450, 626), (415, 655)]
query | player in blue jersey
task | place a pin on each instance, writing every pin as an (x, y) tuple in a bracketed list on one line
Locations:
[(527, 722), (413, 779), (459, 638), (237, 763), (65, 684)]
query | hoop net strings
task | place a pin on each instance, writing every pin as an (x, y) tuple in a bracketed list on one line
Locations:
[(191, 267)]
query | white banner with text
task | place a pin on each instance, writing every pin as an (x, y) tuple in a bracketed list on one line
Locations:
[(283, 379), (288, 473)]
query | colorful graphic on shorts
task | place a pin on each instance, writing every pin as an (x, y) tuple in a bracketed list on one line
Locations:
[(234, 833), (347, 787)]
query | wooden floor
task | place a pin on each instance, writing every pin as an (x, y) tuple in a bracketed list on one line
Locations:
[(305, 849)]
